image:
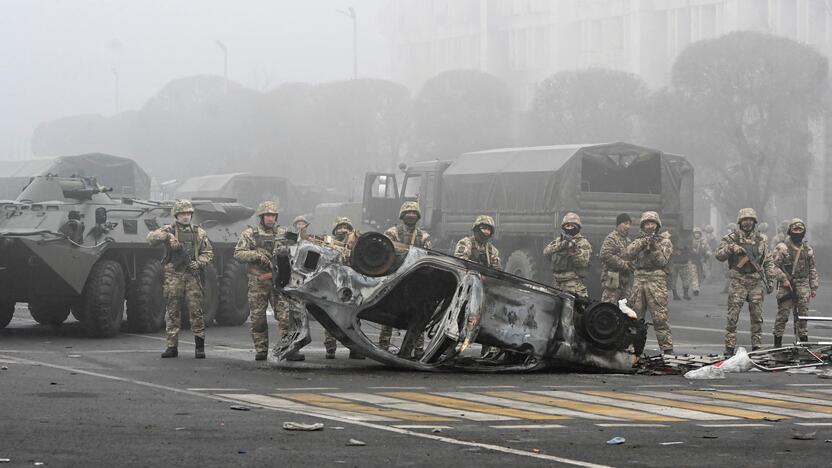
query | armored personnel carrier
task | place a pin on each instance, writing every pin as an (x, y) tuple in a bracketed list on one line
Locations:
[(67, 246)]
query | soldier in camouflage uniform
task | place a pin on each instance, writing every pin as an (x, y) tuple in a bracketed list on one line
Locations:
[(747, 283), (570, 254), (796, 260), (616, 270), (650, 255), (710, 240), (478, 247), (679, 269), (407, 233), (699, 255), (187, 251), (345, 233), (256, 247)]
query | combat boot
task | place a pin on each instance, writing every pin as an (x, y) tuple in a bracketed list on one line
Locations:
[(803, 338), (778, 341), (171, 351), (295, 356), (729, 352), (199, 350), (330, 354), (676, 295), (695, 292), (261, 355), (755, 347), (685, 294), (667, 351)]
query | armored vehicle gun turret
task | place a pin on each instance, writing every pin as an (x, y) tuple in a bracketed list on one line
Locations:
[(66, 247)]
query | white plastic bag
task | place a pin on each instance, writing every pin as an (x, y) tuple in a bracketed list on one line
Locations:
[(622, 304), (705, 373), (739, 362)]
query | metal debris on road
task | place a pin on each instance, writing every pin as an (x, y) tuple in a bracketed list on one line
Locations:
[(356, 443), (240, 408), (9, 460), (296, 426), (616, 441), (73, 355), (4, 367), (436, 430), (804, 435), (179, 429), (672, 443)]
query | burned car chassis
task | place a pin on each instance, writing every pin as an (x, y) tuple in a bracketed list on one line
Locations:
[(455, 303)]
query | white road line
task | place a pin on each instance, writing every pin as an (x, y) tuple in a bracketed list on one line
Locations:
[(529, 426), (305, 389), (813, 385), (405, 405), (658, 386), (814, 424), (474, 387), (775, 410), (397, 388), (629, 425), (218, 389), (281, 403), (381, 427), (522, 405), (722, 331), (735, 425), (420, 426), (779, 396), (647, 407)]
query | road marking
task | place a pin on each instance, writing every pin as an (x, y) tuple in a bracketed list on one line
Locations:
[(735, 425), (419, 426), (734, 404), (305, 389), (778, 396), (395, 403), (529, 426), (722, 331), (629, 425), (812, 385), (658, 386), (814, 424), (761, 401), (485, 386), (522, 405), (656, 409), (397, 388), (218, 389), (740, 413), (327, 401), (281, 403), (463, 404), (606, 410)]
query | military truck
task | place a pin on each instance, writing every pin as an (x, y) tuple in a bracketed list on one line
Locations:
[(528, 190), (67, 246)]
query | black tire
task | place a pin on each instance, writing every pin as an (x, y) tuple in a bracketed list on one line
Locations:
[(103, 299), (6, 313), (145, 299), (49, 313), (524, 264), (233, 295)]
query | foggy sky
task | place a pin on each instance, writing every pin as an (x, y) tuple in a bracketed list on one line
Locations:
[(57, 57)]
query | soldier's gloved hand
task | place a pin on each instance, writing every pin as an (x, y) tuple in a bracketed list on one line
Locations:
[(173, 242), (193, 266)]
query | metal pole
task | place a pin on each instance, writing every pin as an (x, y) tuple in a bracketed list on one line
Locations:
[(224, 63), (115, 75), (351, 14)]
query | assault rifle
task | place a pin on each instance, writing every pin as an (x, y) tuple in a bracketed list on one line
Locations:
[(184, 259), (749, 257), (791, 295)]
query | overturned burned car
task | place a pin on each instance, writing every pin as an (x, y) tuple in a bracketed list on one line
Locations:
[(354, 289)]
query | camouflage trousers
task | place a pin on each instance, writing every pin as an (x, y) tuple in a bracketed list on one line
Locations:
[(785, 308), (681, 271), (387, 333), (260, 294), (650, 293), (569, 283), (693, 276), (615, 295), (330, 343), (742, 289), (179, 286)]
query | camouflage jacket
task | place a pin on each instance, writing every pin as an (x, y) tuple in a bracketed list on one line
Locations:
[(700, 250), (569, 258), (203, 252), (613, 251), (403, 234), (485, 254), (757, 243), (257, 241), (650, 256), (784, 257)]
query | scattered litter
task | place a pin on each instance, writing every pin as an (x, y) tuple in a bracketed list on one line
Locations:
[(73, 355), (355, 443), (53, 383), (296, 426), (672, 443), (705, 373), (804, 370), (709, 436), (240, 408), (4, 367), (39, 463), (436, 430), (616, 441), (825, 375), (804, 435), (9, 460), (622, 304), (179, 429), (337, 428), (241, 451), (828, 441), (739, 362), (536, 450), (772, 419)]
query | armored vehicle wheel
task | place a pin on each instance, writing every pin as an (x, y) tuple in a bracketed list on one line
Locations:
[(233, 303), (49, 313), (103, 299), (522, 263), (6, 313), (145, 299)]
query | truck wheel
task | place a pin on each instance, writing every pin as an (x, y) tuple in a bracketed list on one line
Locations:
[(103, 299), (49, 313), (6, 313), (522, 263), (233, 304), (145, 299)]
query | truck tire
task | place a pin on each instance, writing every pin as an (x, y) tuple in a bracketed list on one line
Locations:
[(6, 313), (524, 264), (145, 299), (233, 303), (103, 299), (49, 313)]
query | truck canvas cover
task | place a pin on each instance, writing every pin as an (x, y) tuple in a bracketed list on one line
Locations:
[(248, 189)]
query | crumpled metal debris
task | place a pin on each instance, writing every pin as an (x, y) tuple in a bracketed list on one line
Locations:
[(616, 441), (356, 443), (296, 426)]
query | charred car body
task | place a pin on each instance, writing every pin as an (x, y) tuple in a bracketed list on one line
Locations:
[(456, 303)]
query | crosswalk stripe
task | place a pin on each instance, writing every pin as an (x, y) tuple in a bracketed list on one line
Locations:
[(656, 409), (740, 413), (736, 404), (469, 405), (606, 410), (778, 396), (808, 393), (346, 405), (523, 405), (395, 403), (761, 401), (280, 403)]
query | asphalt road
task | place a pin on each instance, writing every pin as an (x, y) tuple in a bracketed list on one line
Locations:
[(72, 401)]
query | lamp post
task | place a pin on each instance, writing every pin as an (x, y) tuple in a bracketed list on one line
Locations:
[(224, 63), (350, 13)]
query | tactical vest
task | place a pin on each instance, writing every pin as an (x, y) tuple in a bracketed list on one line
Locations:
[(804, 264), (733, 259), (406, 237), (189, 241), (264, 240), (480, 255), (561, 263), (644, 261)]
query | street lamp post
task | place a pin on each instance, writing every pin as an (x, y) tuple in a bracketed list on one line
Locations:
[(350, 13), (224, 63), (115, 76)]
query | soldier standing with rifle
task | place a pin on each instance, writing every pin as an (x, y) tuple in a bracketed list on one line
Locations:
[(796, 260), (699, 254), (750, 270), (617, 271), (187, 251), (570, 254), (478, 247), (346, 235)]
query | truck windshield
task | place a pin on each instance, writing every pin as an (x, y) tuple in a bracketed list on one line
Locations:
[(412, 187)]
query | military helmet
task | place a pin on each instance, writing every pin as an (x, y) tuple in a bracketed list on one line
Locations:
[(571, 218), (747, 213), (298, 219), (650, 216), (697, 229), (795, 222), (341, 220), (182, 206), (732, 226), (763, 227), (483, 220), (267, 207), (410, 206), (708, 229)]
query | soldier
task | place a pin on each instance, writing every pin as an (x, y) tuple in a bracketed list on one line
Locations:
[(406, 232), (570, 254), (730, 228), (478, 247), (187, 251), (256, 247), (710, 240), (616, 270), (796, 260), (750, 266), (650, 254), (699, 254), (301, 225), (679, 269), (344, 232)]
